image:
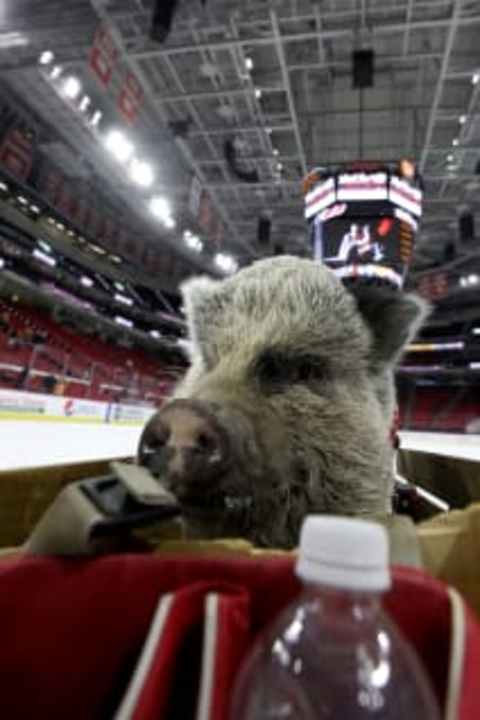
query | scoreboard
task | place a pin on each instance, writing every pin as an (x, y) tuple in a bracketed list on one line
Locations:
[(363, 220)]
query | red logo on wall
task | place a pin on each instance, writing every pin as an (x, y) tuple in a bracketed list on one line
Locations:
[(130, 99), (103, 56)]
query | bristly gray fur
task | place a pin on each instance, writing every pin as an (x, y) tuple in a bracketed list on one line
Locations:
[(336, 429)]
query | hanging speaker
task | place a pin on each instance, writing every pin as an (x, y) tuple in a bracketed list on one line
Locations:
[(466, 226), (163, 12), (263, 231), (363, 68)]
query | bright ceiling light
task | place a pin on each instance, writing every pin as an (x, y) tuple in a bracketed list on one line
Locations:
[(123, 321), (84, 103), (155, 334), (450, 158), (160, 207), (141, 173), (47, 259), (192, 241), (3, 187), (472, 279), (46, 57), (279, 167), (258, 93), (22, 200), (455, 142), (123, 299), (476, 331), (475, 78), (35, 209), (225, 263), (120, 147), (2, 263), (96, 117), (12, 39), (56, 72), (120, 286), (275, 152), (169, 223), (72, 87), (462, 119), (249, 63), (86, 281), (97, 249), (44, 245), (60, 226)]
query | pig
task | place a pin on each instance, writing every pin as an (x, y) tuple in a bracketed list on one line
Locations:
[(287, 405)]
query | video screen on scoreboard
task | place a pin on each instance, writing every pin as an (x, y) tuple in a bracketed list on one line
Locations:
[(358, 240)]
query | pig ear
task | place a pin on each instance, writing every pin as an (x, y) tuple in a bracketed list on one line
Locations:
[(393, 317), (202, 300)]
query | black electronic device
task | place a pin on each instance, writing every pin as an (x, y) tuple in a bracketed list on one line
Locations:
[(120, 509), (363, 68)]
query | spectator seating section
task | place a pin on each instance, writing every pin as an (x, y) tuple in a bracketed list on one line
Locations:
[(40, 355)]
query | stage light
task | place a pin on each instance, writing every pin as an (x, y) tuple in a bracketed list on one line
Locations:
[(120, 147), (450, 158), (462, 119), (84, 103), (155, 334), (3, 187), (46, 57), (169, 223), (86, 281), (22, 200), (258, 93), (472, 279), (475, 78), (72, 87), (249, 64), (225, 263), (279, 167), (455, 142), (276, 152), (60, 226), (2, 263), (120, 286), (116, 259), (56, 72), (71, 233), (35, 209), (474, 365), (141, 173), (476, 331)]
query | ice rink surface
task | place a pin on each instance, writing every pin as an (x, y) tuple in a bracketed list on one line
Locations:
[(27, 443)]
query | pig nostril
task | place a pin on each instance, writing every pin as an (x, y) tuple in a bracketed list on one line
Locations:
[(205, 443)]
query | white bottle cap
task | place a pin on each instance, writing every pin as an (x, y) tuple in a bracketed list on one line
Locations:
[(344, 552)]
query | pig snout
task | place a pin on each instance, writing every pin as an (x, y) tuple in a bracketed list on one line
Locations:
[(185, 446)]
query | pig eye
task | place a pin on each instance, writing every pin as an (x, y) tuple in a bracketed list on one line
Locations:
[(279, 370)]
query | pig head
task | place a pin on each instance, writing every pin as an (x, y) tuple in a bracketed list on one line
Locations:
[(288, 402)]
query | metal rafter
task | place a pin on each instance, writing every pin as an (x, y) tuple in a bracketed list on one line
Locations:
[(452, 30), (288, 89), (133, 64)]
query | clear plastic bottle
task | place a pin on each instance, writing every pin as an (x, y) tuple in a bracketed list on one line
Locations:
[(334, 654)]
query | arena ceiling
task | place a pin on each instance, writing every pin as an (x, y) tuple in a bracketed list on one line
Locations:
[(275, 77)]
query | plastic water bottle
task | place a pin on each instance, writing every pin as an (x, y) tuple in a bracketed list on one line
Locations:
[(334, 654)]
